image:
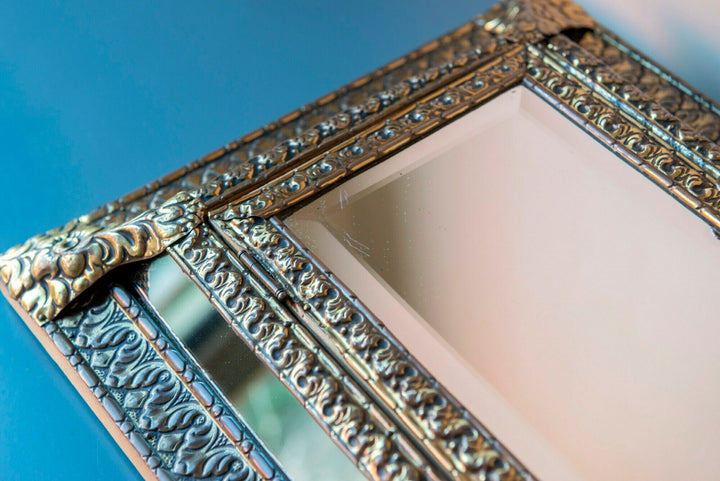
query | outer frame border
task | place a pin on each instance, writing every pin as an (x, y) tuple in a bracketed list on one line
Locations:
[(650, 118)]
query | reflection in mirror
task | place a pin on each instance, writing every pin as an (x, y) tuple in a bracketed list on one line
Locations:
[(564, 299), (268, 408)]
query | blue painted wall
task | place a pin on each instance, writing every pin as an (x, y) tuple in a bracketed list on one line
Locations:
[(96, 99)]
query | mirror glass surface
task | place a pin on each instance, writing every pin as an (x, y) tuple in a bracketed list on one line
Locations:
[(564, 299), (280, 421)]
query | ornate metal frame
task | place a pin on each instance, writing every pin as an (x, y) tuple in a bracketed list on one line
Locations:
[(217, 217)]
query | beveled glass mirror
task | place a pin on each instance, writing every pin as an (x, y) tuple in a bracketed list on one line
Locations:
[(548, 311), (491, 259)]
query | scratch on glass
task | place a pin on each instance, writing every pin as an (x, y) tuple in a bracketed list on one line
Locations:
[(356, 245), (343, 199)]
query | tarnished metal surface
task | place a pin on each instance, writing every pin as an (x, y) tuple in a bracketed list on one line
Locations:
[(661, 163), (531, 21), (380, 140), (50, 270), (446, 430), (637, 104), (697, 111), (396, 423), (309, 129), (159, 401), (286, 347)]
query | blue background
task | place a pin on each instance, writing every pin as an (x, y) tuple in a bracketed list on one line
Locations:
[(96, 100)]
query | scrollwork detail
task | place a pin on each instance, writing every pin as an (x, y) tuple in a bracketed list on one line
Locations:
[(380, 140), (307, 372), (691, 107), (456, 436), (669, 169), (51, 270), (533, 20), (147, 400), (252, 157), (700, 150)]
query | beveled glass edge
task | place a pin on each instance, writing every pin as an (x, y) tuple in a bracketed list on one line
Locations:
[(134, 301), (633, 102), (557, 71), (304, 132), (153, 195), (381, 139), (289, 350), (50, 270), (472, 453), (628, 137), (579, 85), (420, 404)]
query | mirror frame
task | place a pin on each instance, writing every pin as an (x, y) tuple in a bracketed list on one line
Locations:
[(218, 218)]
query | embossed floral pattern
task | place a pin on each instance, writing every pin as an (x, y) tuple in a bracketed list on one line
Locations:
[(50, 270), (419, 399), (176, 436), (331, 398)]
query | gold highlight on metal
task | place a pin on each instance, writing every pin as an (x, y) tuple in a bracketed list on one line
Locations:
[(531, 21), (51, 270), (218, 219)]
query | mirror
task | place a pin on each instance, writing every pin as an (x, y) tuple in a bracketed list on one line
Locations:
[(561, 297), (266, 406)]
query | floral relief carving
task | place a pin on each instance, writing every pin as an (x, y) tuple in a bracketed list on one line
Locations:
[(533, 20), (254, 156), (333, 400), (285, 163), (50, 270), (667, 126), (177, 437), (691, 107)]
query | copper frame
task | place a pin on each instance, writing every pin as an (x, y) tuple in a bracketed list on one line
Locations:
[(217, 217)]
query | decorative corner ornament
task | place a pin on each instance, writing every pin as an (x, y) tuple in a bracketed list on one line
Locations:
[(221, 219), (50, 270), (531, 21)]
